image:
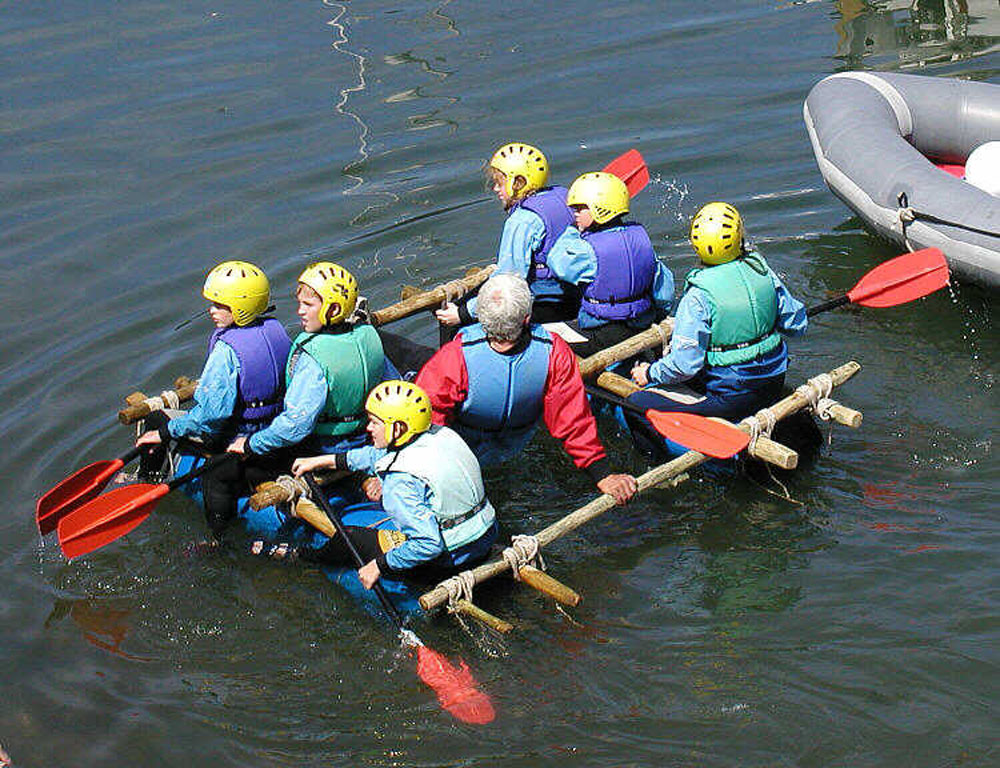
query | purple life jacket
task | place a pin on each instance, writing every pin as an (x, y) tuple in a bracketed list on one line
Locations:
[(626, 269), (262, 349), (550, 206)]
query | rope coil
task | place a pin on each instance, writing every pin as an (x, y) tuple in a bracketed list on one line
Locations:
[(523, 550), (459, 587)]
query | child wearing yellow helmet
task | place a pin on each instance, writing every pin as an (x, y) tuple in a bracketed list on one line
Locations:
[(537, 214), (727, 345), (241, 386), (431, 487), (624, 286), (333, 365)]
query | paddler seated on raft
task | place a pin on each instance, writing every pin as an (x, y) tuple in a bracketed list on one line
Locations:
[(537, 214), (625, 287), (240, 389), (497, 379), (431, 487), (333, 364), (727, 356)]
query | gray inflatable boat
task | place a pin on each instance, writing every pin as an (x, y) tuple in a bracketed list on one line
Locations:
[(893, 148)]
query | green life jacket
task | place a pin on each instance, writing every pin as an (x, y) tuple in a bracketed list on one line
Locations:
[(352, 363), (744, 309), (441, 459)]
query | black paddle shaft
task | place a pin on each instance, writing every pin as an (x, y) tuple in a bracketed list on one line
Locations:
[(614, 399), (826, 305), (208, 466), (320, 498)]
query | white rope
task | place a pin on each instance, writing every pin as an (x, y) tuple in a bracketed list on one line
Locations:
[(293, 486), (905, 214), (459, 587), (823, 408), (760, 424), (523, 550), (664, 339), (817, 391), (171, 398)]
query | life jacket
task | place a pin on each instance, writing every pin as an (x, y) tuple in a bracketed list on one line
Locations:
[(744, 309), (626, 268), (262, 349), (506, 391), (550, 206), (352, 363), (441, 459)]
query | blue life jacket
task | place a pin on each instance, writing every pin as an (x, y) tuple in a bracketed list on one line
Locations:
[(506, 391), (626, 269), (550, 206), (262, 349)]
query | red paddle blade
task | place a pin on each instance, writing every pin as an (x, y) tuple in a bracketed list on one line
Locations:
[(107, 518), (902, 279), (630, 168), (696, 433), (456, 689), (73, 492)]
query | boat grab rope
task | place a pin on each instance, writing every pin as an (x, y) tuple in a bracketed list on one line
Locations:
[(523, 550), (906, 214)]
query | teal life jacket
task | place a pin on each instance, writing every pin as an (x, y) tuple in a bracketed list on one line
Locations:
[(353, 362), (744, 309), (441, 459)]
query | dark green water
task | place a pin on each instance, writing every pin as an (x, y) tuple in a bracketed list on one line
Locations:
[(142, 143)]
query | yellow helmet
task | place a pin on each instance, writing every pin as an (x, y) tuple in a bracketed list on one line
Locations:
[(336, 288), (513, 160), (404, 401), (717, 233), (241, 286), (603, 193)]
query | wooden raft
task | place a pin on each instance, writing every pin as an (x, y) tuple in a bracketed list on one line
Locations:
[(803, 397)]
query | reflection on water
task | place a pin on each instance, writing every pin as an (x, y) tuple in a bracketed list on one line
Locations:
[(103, 626), (917, 32)]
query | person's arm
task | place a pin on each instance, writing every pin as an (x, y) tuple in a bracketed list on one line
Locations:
[(445, 379), (792, 320), (408, 500), (688, 344), (572, 259), (663, 290), (522, 235), (304, 400), (214, 398)]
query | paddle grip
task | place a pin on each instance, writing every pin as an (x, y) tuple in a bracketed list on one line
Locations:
[(320, 498)]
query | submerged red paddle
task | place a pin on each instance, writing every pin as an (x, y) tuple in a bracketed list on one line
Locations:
[(76, 490), (896, 281), (457, 690)]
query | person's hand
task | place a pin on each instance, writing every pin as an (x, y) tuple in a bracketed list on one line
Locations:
[(622, 487), (368, 574), (640, 374), (149, 438), (448, 314), (372, 487), (309, 463), (239, 445)]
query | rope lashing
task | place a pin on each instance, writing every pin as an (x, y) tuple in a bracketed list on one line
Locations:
[(760, 424), (168, 398), (295, 487), (453, 290), (817, 391), (664, 339), (459, 587), (523, 550)]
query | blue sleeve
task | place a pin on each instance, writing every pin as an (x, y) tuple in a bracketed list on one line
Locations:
[(663, 290), (572, 259), (214, 397), (408, 500), (688, 344), (523, 234), (363, 459), (304, 400), (792, 320)]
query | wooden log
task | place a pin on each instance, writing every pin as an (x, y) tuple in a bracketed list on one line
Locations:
[(183, 388), (316, 517), (630, 347), (270, 493), (473, 611), (847, 416), (547, 585), (433, 297), (764, 448), (656, 476), (135, 398)]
